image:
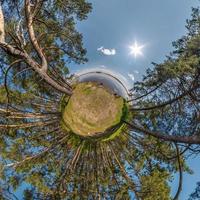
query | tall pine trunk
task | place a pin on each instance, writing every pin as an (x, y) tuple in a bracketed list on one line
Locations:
[(2, 31)]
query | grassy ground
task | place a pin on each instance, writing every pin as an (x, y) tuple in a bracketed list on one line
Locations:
[(92, 109)]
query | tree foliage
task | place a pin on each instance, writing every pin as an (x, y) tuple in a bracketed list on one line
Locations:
[(167, 101), (54, 163)]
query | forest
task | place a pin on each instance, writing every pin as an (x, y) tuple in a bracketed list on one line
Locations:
[(61, 139)]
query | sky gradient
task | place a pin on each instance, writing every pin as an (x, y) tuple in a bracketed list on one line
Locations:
[(117, 24)]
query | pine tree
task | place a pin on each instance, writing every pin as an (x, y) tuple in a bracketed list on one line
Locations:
[(36, 148)]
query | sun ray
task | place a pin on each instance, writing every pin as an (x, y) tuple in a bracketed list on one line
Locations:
[(136, 49)]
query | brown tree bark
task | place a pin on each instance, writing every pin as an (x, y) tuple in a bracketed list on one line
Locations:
[(2, 31), (190, 139), (40, 68)]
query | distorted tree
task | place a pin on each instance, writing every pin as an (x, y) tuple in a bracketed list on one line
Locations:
[(37, 41)]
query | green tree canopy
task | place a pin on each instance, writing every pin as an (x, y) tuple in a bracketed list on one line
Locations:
[(37, 42)]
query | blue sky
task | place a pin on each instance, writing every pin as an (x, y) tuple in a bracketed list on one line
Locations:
[(116, 24)]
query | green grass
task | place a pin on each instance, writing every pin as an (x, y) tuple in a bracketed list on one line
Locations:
[(92, 109), (125, 117)]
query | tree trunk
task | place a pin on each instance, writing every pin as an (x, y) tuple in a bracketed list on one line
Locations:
[(40, 69), (2, 31)]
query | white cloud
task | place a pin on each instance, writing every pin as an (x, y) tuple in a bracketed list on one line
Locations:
[(131, 76), (136, 71), (103, 66), (107, 52)]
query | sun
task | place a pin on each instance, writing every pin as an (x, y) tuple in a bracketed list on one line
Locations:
[(136, 49)]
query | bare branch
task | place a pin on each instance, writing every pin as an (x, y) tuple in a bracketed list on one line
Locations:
[(190, 139), (20, 34), (187, 92), (28, 125), (180, 173), (146, 94), (29, 18)]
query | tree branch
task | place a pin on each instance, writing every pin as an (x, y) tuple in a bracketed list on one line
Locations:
[(180, 173), (29, 18), (2, 30), (168, 102), (28, 125), (146, 94), (40, 69), (191, 139)]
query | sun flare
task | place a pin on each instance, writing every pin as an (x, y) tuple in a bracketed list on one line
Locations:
[(136, 49)]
